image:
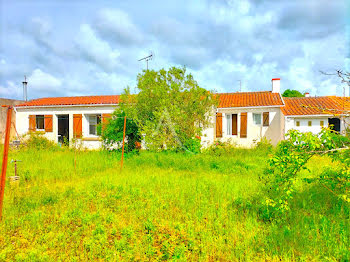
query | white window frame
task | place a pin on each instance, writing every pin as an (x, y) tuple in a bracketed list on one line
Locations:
[(36, 123), (258, 114), (96, 123), (229, 124)]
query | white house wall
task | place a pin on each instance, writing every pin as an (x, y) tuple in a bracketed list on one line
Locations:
[(290, 123), (255, 133), (88, 141)]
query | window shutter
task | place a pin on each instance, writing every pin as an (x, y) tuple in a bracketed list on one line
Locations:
[(105, 118), (266, 119), (234, 124), (48, 123), (77, 125), (243, 125), (218, 124), (32, 123)]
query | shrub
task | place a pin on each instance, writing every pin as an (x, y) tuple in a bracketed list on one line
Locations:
[(264, 144), (221, 148), (37, 140), (193, 145)]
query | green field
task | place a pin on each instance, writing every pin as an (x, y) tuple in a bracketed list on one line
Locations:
[(163, 206)]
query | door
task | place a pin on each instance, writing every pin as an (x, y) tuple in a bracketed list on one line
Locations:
[(63, 128), (334, 124)]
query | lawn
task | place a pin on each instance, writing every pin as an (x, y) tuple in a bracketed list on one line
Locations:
[(79, 206)]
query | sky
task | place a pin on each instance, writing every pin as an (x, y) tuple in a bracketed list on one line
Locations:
[(82, 47)]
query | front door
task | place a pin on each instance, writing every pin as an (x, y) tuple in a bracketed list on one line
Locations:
[(63, 129), (334, 124)]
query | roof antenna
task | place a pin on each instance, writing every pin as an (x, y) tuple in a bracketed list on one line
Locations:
[(25, 98), (240, 85), (147, 58)]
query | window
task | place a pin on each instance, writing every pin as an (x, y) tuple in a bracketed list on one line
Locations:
[(229, 124), (322, 123), (297, 123), (40, 122), (257, 119), (94, 120), (309, 123)]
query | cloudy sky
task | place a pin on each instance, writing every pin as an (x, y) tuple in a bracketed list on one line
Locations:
[(82, 47)]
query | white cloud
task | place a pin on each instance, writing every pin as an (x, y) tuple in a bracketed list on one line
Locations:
[(10, 90), (41, 81), (116, 24), (96, 50)]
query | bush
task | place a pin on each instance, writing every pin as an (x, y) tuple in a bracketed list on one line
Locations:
[(264, 144), (221, 148), (37, 140), (193, 145)]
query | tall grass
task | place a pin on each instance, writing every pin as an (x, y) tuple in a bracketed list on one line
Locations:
[(162, 206)]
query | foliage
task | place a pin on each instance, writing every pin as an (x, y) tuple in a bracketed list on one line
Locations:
[(170, 107), (221, 147), (163, 206), (37, 140), (193, 145), (291, 157), (112, 131), (292, 93), (264, 144)]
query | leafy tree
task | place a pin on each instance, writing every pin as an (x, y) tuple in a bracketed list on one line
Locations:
[(170, 107), (112, 131), (292, 93), (291, 157)]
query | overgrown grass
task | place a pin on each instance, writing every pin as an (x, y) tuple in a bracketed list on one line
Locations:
[(163, 206)]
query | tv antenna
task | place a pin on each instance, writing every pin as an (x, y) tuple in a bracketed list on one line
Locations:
[(147, 58), (240, 85), (25, 96)]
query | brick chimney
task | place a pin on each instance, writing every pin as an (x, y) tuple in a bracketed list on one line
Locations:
[(307, 94), (276, 85)]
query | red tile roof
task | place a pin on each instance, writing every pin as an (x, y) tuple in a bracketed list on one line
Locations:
[(75, 100), (246, 99), (324, 105), (250, 99)]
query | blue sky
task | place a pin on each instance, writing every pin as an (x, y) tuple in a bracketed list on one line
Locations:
[(69, 48)]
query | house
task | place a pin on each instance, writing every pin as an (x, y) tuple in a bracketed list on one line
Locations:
[(63, 119), (243, 118), (311, 114)]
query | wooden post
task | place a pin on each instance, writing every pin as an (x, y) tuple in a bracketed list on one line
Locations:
[(121, 163), (5, 157)]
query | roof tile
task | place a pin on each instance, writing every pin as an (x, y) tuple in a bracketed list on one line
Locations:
[(76, 100), (324, 105), (249, 99)]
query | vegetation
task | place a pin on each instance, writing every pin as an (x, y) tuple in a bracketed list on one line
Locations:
[(291, 157), (292, 93), (170, 108), (79, 206), (113, 131)]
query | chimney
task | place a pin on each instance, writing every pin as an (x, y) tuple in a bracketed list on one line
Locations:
[(307, 94), (276, 85), (25, 96)]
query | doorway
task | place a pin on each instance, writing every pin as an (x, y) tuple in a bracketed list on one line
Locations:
[(334, 124), (63, 129)]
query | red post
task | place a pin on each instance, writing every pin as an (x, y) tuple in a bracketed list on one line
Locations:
[(121, 163), (5, 157)]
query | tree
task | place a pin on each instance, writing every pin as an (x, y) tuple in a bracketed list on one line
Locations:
[(292, 93), (170, 107), (112, 131)]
